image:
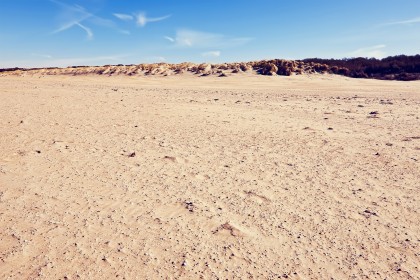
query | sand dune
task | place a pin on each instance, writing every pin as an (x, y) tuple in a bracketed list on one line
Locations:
[(302, 177), (263, 67), (401, 67)]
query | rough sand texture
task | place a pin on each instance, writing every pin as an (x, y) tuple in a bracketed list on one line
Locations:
[(244, 177)]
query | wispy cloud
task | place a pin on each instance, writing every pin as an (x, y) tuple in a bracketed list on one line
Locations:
[(88, 30), (170, 39), (212, 54), (124, 17), (64, 27), (76, 15), (198, 39), (372, 51), (70, 15), (404, 22), (140, 18)]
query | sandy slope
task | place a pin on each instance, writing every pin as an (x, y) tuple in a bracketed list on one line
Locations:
[(186, 177)]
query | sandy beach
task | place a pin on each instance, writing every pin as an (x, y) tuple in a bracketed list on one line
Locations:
[(239, 177)]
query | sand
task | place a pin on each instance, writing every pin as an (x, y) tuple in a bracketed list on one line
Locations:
[(242, 177)]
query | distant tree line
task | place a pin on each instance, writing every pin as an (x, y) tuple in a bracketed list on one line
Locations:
[(400, 67)]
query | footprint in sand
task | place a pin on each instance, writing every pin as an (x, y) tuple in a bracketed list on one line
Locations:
[(257, 197), (175, 159), (200, 176), (229, 228)]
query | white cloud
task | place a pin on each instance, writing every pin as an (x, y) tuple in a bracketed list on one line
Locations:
[(75, 15), (198, 39), (211, 54), (42, 55), (373, 51), (88, 30), (64, 27), (189, 38), (169, 38), (142, 20), (409, 21), (70, 15), (124, 17)]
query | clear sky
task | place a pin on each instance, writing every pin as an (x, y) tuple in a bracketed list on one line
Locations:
[(37, 33)]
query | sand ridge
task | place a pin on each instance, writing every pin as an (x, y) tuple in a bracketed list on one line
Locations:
[(303, 177), (401, 68), (264, 67)]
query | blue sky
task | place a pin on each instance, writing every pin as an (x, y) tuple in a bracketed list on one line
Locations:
[(38, 33)]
